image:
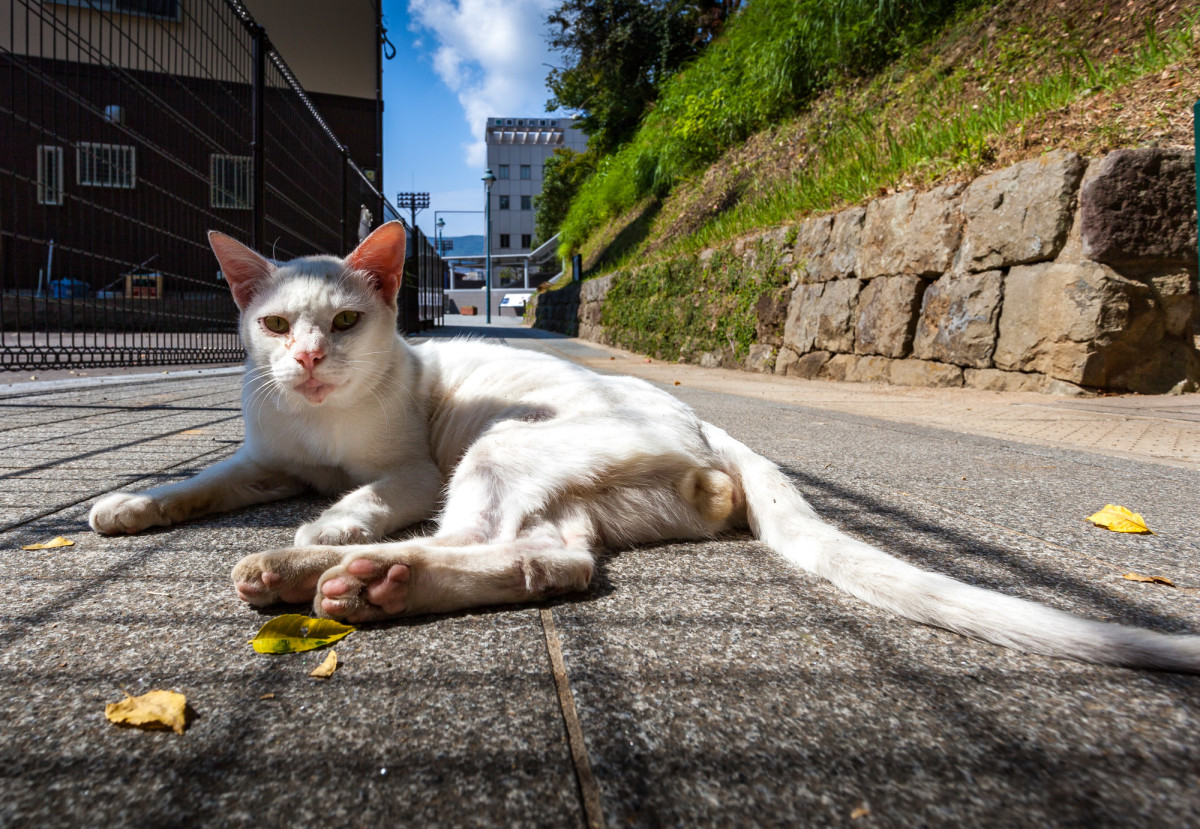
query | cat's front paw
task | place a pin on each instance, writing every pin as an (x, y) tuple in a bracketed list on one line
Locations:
[(363, 589), (334, 532), (125, 513), (289, 576)]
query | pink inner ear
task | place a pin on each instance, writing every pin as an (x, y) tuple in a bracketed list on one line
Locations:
[(244, 270), (381, 256)]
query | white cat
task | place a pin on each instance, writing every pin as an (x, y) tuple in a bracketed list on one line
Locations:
[(528, 464)]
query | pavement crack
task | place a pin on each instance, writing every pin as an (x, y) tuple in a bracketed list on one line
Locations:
[(589, 791)]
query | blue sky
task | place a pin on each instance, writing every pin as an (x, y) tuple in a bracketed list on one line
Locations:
[(457, 62)]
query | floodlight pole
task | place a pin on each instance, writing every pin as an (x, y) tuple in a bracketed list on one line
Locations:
[(488, 179)]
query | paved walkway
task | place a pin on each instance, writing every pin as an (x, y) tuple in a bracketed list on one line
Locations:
[(695, 684)]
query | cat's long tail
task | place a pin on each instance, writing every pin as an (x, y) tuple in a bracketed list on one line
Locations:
[(781, 518)]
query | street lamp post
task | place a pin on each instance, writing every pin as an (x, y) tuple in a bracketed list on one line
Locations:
[(438, 225), (488, 178)]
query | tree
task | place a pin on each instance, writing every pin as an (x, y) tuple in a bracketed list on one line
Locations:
[(562, 175), (617, 55)]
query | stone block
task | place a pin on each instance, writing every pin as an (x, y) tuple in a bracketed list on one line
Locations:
[(839, 367), (589, 314), (993, 379), (1080, 322), (784, 360), (1139, 210), (811, 249), (887, 315), (761, 359), (770, 316), (958, 319), (835, 312), (910, 233), (800, 329), (1177, 295), (1021, 214), (845, 238), (807, 367), (925, 373), (593, 290)]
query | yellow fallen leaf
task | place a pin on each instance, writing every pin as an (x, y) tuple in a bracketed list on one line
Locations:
[(152, 711), (267, 696), (861, 811), (327, 667), (293, 632), (50, 545), (1118, 519), (1150, 579)]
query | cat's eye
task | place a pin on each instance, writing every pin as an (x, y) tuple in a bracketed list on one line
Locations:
[(277, 325), (344, 320)]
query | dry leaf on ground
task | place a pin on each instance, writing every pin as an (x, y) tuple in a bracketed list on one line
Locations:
[(293, 632), (50, 545), (1150, 579), (1118, 519), (327, 667), (152, 711)]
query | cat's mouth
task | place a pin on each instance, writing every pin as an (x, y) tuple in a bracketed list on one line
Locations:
[(314, 390)]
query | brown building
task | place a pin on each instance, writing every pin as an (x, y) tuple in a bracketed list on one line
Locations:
[(128, 128)]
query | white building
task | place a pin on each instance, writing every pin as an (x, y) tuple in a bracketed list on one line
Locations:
[(516, 150)]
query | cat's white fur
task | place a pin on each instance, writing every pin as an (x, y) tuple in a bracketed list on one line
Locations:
[(528, 464)]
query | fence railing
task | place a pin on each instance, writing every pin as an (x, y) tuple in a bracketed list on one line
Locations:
[(127, 130)]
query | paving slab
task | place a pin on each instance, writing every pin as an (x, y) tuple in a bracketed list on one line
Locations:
[(711, 683)]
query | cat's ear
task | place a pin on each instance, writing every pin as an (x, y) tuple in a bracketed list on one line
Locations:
[(381, 257), (245, 271)]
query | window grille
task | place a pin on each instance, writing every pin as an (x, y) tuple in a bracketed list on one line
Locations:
[(49, 174), (230, 181), (526, 171), (105, 165), (504, 202), (505, 240), (502, 172), (527, 202), (526, 240)]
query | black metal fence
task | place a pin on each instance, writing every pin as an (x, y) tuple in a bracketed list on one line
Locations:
[(128, 128)]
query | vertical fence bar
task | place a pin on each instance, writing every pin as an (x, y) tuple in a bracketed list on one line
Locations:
[(258, 59)]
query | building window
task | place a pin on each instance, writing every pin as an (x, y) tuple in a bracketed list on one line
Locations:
[(505, 240), (229, 180), (502, 171), (49, 174), (504, 202), (526, 240), (526, 171), (527, 202), (105, 165)]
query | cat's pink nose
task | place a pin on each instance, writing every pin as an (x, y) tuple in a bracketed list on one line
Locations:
[(308, 359)]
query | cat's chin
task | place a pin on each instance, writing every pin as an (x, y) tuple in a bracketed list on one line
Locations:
[(314, 391)]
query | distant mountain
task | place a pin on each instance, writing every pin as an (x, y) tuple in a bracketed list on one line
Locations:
[(465, 245)]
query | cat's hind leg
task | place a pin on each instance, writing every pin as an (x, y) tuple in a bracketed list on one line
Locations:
[(289, 576), (422, 576)]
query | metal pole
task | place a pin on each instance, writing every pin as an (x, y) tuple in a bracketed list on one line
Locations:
[(259, 46), (487, 272)]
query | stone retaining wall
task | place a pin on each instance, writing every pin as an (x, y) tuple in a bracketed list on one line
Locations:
[(1056, 274)]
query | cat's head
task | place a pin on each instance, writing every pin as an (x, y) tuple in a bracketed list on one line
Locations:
[(318, 329)]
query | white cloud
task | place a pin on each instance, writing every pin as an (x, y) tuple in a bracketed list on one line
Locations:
[(492, 54)]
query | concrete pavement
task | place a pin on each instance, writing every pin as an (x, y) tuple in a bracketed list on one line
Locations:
[(697, 684)]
